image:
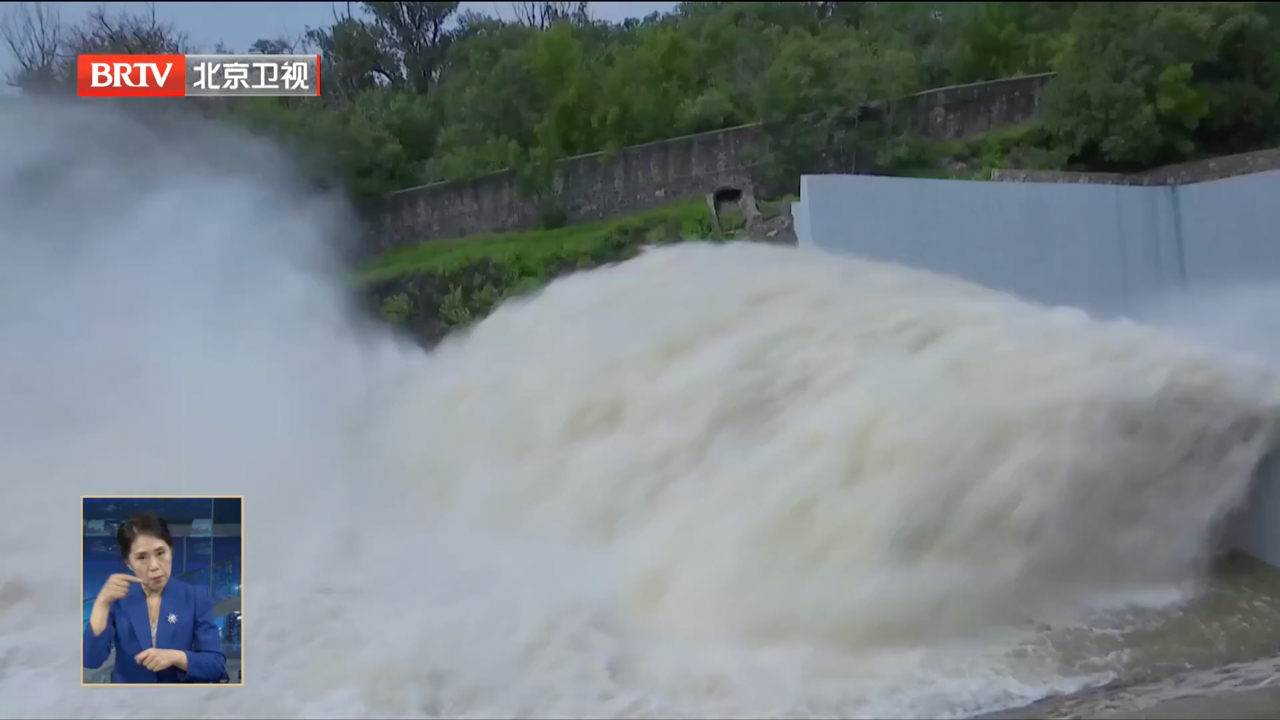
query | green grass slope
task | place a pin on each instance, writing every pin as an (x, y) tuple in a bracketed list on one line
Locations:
[(436, 287)]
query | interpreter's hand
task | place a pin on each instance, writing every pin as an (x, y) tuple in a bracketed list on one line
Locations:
[(116, 587), (155, 659)]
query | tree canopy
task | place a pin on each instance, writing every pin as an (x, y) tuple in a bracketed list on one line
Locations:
[(417, 92)]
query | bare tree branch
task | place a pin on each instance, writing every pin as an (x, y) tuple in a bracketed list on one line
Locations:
[(33, 34), (44, 50), (543, 15), (128, 34)]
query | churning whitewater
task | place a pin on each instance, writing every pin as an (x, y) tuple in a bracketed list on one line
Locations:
[(716, 480)]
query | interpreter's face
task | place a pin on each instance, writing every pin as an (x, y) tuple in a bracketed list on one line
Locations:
[(151, 559)]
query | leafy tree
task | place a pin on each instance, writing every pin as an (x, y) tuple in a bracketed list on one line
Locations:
[(992, 40), (355, 59), (812, 97), (1141, 84), (414, 34)]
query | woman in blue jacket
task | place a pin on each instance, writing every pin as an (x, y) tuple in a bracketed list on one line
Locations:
[(162, 629)]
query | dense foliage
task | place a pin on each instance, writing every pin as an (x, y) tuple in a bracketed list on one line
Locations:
[(1139, 83), (418, 91)]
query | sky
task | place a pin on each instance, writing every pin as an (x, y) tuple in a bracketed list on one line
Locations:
[(238, 24)]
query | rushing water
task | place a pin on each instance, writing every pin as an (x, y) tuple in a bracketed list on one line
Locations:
[(730, 481)]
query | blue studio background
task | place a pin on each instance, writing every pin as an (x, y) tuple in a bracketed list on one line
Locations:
[(206, 550)]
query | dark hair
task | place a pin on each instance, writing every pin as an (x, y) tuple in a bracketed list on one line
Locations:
[(142, 523)]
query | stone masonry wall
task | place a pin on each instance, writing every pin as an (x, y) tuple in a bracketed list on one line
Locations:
[(1180, 174), (965, 110), (642, 177)]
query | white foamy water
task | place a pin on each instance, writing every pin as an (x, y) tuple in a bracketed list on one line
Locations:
[(727, 481)]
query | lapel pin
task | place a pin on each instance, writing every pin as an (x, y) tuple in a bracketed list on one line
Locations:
[(172, 618)]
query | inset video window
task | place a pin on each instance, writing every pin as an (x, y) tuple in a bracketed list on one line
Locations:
[(162, 590)]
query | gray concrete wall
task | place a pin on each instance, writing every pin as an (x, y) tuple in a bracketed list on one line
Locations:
[(1103, 247), (1231, 229), (800, 224), (1100, 246)]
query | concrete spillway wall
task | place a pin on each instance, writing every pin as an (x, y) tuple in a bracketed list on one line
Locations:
[(1102, 247)]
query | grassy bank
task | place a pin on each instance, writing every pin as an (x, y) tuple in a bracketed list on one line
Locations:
[(439, 286), (530, 252)]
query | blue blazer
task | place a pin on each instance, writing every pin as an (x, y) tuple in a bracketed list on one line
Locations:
[(186, 624)]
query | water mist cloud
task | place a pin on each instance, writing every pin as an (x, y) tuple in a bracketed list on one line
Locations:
[(174, 320)]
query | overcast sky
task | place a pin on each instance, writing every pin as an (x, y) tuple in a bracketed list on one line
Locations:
[(238, 24)]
